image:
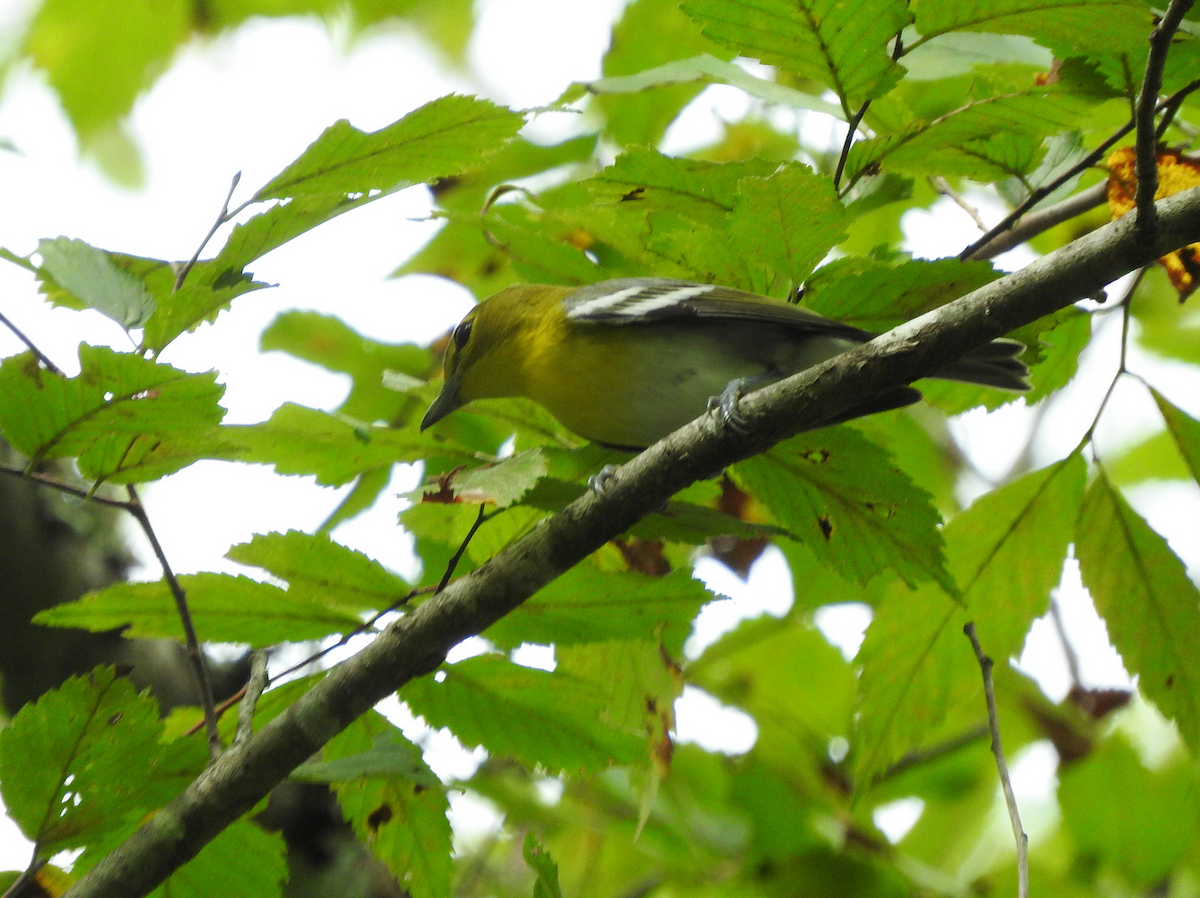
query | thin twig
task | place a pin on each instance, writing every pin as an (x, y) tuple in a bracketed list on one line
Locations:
[(932, 753), (457, 556), (942, 186), (38, 354), (76, 491), (222, 217), (1014, 815), (251, 693), (195, 656), (1042, 220), (1124, 304), (856, 120), (370, 623), (1068, 649), (975, 249), (364, 627), (1147, 102)]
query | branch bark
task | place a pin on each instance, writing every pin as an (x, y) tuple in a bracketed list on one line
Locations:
[(417, 643)]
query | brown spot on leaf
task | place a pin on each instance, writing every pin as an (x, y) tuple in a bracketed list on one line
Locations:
[(378, 817), (826, 526)]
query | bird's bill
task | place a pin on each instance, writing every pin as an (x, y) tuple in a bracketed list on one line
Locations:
[(446, 402)]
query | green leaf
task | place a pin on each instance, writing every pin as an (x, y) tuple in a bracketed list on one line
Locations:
[(95, 281), (390, 755), (704, 69), (876, 296), (335, 346), (539, 860), (538, 717), (96, 77), (967, 140), (841, 496), (786, 223), (1105, 25), (196, 302), (123, 415), (503, 483), (242, 859), (1006, 551), (1184, 430), (589, 605), (919, 680), (65, 762), (299, 440), (399, 809), (844, 47), (649, 33), (1151, 606), (1139, 821), (441, 138), (785, 674), (319, 570), (224, 608), (1059, 351)]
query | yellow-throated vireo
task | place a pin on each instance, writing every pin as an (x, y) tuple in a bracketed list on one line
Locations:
[(626, 362)]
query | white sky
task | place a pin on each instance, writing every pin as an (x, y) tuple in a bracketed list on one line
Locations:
[(251, 102)]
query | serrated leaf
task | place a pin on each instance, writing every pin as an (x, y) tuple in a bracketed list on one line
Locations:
[(503, 483), (649, 33), (919, 680), (1006, 551), (122, 413), (299, 440), (320, 570), (841, 496), (1105, 25), (95, 281), (224, 608), (242, 859), (442, 137), (963, 141), (589, 605), (190, 306), (919, 677), (390, 755), (538, 717), (1184, 430), (1059, 351), (786, 223), (402, 817), (705, 69), (876, 296), (539, 860), (1151, 606), (843, 46), (65, 760)]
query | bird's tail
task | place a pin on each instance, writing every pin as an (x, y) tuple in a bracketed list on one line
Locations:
[(996, 364)]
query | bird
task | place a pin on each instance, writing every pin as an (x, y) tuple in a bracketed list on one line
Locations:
[(625, 362)]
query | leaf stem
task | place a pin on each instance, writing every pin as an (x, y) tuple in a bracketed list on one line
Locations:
[(1014, 814)]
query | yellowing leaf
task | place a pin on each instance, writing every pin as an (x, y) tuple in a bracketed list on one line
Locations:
[(1176, 172)]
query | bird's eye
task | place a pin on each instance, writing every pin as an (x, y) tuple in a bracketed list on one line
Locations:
[(462, 334)]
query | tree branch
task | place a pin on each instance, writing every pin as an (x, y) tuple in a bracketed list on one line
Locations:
[(1147, 102), (417, 643)]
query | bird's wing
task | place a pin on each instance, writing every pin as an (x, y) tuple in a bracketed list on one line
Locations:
[(646, 300)]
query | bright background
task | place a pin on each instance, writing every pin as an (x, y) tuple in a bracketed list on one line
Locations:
[(251, 101)]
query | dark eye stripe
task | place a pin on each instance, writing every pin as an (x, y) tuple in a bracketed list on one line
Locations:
[(462, 334)]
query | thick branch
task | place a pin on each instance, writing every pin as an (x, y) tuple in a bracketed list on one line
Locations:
[(417, 643)]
